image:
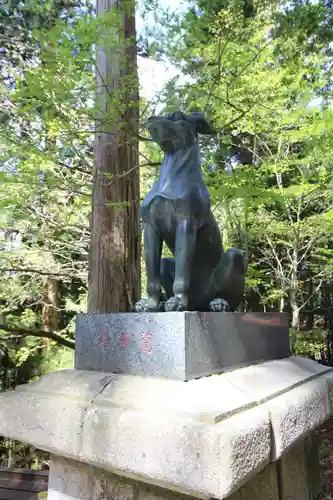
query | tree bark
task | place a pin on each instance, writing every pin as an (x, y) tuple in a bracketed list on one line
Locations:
[(294, 286), (50, 311), (295, 316), (114, 268)]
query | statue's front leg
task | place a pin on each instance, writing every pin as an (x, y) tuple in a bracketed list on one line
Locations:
[(167, 277), (152, 252), (184, 250)]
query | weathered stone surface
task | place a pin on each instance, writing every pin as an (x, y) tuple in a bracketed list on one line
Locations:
[(70, 480), (209, 460), (314, 476), (275, 377), (297, 412), (182, 436), (329, 380), (74, 480), (299, 475), (182, 345), (195, 399), (263, 486), (49, 422), (74, 384)]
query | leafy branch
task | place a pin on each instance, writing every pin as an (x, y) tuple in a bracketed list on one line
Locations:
[(19, 332)]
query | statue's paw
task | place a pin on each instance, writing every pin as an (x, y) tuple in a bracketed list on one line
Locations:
[(175, 303), (146, 305), (141, 306), (219, 305)]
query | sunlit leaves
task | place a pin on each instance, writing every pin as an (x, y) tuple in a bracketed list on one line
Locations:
[(257, 76)]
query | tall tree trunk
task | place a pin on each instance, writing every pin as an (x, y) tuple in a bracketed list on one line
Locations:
[(293, 290), (295, 315), (50, 316), (50, 311), (114, 270), (310, 307)]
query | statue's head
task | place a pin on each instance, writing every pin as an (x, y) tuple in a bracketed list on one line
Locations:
[(178, 130)]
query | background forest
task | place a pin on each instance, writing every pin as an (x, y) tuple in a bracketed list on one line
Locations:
[(262, 73)]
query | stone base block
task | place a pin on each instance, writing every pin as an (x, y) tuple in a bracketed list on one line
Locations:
[(178, 345), (299, 471), (290, 478), (207, 438), (71, 480)]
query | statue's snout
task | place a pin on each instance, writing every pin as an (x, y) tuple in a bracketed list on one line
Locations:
[(161, 129)]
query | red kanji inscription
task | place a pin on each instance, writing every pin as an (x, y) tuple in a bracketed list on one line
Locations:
[(104, 339), (124, 340), (145, 342)]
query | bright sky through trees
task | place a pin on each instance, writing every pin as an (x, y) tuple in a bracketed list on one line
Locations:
[(153, 75)]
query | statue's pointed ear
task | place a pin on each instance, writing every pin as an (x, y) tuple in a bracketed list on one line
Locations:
[(202, 126)]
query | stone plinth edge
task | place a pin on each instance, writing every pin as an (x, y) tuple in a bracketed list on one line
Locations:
[(205, 438)]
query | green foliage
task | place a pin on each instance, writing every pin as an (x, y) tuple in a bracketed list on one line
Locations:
[(44, 226), (269, 172), (58, 358), (308, 344), (47, 131)]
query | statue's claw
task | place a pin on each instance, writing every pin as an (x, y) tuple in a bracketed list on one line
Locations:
[(176, 303), (219, 305), (143, 306)]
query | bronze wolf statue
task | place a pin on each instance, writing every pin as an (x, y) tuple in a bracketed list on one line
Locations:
[(201, 277)]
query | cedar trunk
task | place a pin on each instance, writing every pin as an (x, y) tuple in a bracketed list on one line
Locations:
[(50, 310), (114, 271)]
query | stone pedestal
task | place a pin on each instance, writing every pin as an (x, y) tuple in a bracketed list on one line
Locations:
[(242, 435), (290, 478), (178, 345)]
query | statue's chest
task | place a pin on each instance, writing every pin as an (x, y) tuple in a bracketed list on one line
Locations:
[(182, 173)]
